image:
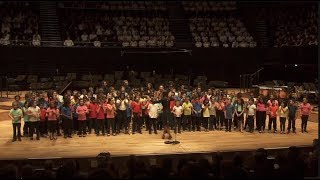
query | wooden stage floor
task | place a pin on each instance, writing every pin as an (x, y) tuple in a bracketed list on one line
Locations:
[(145, 144)]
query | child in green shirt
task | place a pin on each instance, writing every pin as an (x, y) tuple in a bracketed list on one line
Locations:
[(16, 114)]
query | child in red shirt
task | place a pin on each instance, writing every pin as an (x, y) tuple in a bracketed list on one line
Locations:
[(100, 118), (136, 114), (273, 109), (43, 121), (92, 108)]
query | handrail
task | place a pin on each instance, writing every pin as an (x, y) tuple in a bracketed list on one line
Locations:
[(77, 44)]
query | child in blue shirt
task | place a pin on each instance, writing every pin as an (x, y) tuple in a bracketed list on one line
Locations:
[(197, 112), (228, 111)]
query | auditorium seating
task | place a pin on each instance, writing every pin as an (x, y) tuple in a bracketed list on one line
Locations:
[(116, 5), (115, 28), (19, 23), (214, 24), (293, 26), (291, 163)]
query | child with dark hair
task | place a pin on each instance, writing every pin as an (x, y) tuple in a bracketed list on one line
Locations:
[(17, 99), (273, 109), (66, 116), (100, 118), (283, 113), (16, 114), (34, 118), (75, 115), (92, 107), (53, 114), (82, 112), (26, 126), (111, 112), (239, 108), (228, 112), (43, 120), (292, 108)]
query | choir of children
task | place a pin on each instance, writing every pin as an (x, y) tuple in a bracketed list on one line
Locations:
[(111, 112)]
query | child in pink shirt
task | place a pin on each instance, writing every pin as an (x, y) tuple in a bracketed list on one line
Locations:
[(305, 110), (82, 112), (52, 114), (111, 112)]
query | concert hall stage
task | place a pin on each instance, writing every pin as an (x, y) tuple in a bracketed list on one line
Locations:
[(145, 144)]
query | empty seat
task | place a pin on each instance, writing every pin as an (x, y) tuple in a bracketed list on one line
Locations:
[(145, 74), (118, 75), (21, 77), (71, 76), (32, 79)]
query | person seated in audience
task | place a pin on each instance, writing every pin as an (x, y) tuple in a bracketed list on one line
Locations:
[(96, 42), (133, 43), (206, 44), (198, 44), (142, 43), (68, 42), (36, 40), (92, 36), (215, 44), (84, 37), (5, 40)]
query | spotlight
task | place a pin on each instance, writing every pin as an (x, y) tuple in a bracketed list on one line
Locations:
[(296, 65)]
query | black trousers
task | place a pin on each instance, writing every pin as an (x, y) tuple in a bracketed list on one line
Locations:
[(35, 128), (250, 122), (186, 123), (136, 123), (111, 125), (67, 126), (26, 128), (220, 118), (171, 120), (160, 122), (92, 125), (292, 123), (82, 127), (205, 122), (59, 126), (100, 126), (212, 122), (153, 122), (193, 123), (198, 122), (261, 120), (122, 121), (272, 120), (283, 123), (235, 121), (304, 119), (16, 130), (52, 126), (146, 120), (228, 124), (75, 124), (43, 127), (177, 124)]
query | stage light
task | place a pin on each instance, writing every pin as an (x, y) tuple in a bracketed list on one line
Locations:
[(296, 65)]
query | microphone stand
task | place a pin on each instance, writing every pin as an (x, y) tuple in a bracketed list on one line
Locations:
[(175, 135), (175, 132)]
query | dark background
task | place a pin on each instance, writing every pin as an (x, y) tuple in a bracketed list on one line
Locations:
[(224, 64)]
